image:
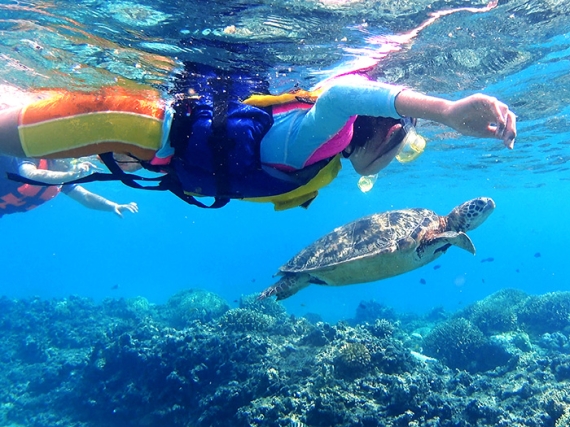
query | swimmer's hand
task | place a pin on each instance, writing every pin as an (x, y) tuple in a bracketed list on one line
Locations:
[(83, 169), (130, 207), (476, 115), (482, 116)]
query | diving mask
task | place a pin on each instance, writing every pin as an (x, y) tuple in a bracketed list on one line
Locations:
[(413, 143)]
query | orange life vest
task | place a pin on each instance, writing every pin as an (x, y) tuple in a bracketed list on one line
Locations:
[(16, 197)]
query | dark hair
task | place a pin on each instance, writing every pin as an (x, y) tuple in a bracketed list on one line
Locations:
[(365, 127)]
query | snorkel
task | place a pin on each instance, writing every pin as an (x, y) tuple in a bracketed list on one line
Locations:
[(413, 143), (408, 143)]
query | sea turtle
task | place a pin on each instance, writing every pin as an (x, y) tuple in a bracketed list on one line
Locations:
[(379, 246)]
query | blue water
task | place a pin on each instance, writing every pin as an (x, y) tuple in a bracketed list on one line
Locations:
[(518, 52)]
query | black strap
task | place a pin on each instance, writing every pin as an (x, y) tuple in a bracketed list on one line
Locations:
[(128, 179), (218, 202), (96, 176), (166, 182)]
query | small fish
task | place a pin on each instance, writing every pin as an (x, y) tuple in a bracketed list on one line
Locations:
[(490, 259), (537, 255), (252, 280), (436, 267), (517, 270), (423, 281), (114, 287), (483, 280)]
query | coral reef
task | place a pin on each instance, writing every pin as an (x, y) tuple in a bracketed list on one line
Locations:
[(267, 306), (497, 313), (353, 359), (194, 361), (382, 328), (370, 311), (546, 313), (460, 344), (193, 304), (244, 320)]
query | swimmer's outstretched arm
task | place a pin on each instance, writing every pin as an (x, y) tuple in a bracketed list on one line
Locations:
[(30, 171), (476, 115), (94, 201)]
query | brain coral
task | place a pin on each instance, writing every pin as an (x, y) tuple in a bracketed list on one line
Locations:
[(460, 344)]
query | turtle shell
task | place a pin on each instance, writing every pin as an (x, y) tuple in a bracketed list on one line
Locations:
[(396, 232)]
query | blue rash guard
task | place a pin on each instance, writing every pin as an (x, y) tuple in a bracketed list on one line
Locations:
[(297, 134)]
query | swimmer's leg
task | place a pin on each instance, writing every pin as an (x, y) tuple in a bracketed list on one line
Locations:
[(9, 137), (68, 124)]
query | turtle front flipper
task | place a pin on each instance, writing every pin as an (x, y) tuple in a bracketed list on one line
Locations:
[(288, 285), (441, 242)]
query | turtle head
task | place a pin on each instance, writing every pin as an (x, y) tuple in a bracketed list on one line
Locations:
[(470, 214)]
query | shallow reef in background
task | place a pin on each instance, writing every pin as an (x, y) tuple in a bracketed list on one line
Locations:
[(194, 361)]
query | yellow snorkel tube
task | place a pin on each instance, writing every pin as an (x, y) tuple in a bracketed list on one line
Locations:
[(413, 144)]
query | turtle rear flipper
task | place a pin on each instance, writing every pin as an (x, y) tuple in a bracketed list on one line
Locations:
[(442, 241), (288, 285)]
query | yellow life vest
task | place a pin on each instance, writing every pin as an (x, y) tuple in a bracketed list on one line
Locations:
[(294, 96), (306, 193), (303, 195)]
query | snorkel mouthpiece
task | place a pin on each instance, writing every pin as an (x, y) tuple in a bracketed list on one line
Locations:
[(413, 145), (365, 183)]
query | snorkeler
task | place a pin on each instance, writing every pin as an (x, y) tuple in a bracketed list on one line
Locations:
[(223, 135), (17, 197)]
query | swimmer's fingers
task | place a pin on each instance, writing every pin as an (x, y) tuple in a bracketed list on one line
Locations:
[(93, 166), (87, 167), (131, 207), (510, 130), (504, 126)]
